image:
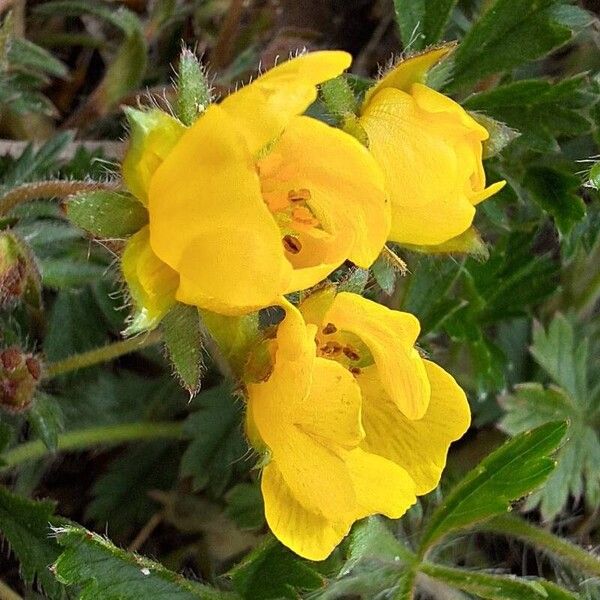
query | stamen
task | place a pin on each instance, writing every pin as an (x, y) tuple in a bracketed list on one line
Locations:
[(301, 195), (355, 371), (351, 353), (331, 348), (291, 244), (329, 329)]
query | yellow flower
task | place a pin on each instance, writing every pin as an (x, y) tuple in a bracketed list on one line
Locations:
[(430, 150), (253, 201), (353, 422)]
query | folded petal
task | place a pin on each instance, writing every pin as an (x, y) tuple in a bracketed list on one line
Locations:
[(208, 221), (308, 533), (151, 282), (408, 71), (262, 109), (390, 336), (153, 134), (419, 446), (424, 176)]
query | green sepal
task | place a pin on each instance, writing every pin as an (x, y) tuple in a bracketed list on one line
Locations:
[(501, 135), (468, 242), (194, 93), (107, 214), (339, 97)]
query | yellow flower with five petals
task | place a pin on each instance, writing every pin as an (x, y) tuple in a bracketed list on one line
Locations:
[(352, 421), (430, 150), (254, 201)]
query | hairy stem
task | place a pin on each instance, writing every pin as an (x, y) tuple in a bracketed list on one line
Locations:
[(562, 549), (81, 439), (100, 355), (48, 189)]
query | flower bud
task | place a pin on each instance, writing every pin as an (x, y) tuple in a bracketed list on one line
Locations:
[(19, 277), (20, 374)]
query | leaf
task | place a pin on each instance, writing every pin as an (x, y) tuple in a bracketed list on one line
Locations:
[(540, 110), (272, 571), (45, 418), (105, 571), (512, 471), (491, 587), (182, 333), (35, 57), (508, 34), (422, 22), (556, 193), (245, 506), (25, 525), (107, 214), (120, 495), (217, 445)]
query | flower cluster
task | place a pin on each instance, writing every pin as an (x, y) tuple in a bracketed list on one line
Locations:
[(255, 201)]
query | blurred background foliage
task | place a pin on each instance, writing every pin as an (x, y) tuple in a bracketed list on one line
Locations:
[(172, 478)]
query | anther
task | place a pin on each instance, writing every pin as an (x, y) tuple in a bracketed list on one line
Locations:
[(355, 371), (301, 195), (331, 348), (329, 329), (292, 244), (351, 353)]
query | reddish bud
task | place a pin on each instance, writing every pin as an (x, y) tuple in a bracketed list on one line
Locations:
[(20, 373)]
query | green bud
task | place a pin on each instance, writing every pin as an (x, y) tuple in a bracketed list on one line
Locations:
[(339, 97), (20, 374), (352, 126), (19, 276), (500, 134), (107, 214), (193, 90)]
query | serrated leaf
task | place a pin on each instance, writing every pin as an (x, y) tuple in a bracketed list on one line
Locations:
[(509, 473), (272, 572), (104, 571), (556, 193), (508, 34), (25, 525), (484, 585), (182, 334), (46, 419), (107, 214), (422, 22), (217, 444)]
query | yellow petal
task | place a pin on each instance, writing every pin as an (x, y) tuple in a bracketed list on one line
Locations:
[(425, 178), (153, 134), (151, 282), (209, 222), (262, 109), (381, 486), (347, 193), (419, 446), (306, 532), (408, 71), (478, 197), (390, 336)]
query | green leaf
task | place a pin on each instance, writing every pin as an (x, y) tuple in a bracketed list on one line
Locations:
[(107, 214), (217, 444), (105, 571), (540, 110), (120, 496), (30, 55), (46, 419), (556, 192), (25, 525), (491, 587), (245, 506), (182, 333), (422, 22), (508, 34), (193, 90), (272, 571), (512, 471)]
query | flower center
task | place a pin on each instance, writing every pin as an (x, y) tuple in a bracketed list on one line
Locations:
[(344, 347)]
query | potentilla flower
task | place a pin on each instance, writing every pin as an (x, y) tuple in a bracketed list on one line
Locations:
[(351, 421), (430, 150), (253, 201)]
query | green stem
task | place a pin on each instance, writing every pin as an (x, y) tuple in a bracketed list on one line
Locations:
[(110, 435), (544, 540), (100, 355), (48, 189)]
